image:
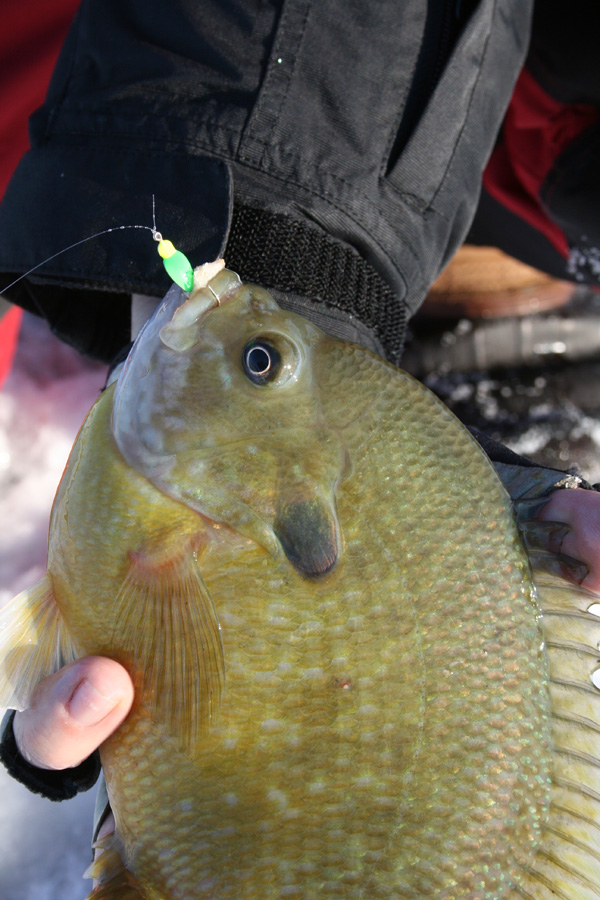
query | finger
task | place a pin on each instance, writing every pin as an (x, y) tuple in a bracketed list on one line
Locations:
[(580, 510), (73, 712)]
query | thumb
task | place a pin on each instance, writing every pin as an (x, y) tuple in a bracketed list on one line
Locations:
[(73, 712)]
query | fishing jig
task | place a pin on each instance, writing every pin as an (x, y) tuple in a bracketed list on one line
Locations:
[(176, 263)]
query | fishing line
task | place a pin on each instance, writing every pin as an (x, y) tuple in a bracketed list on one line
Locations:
[(177, 265), (70, 247)]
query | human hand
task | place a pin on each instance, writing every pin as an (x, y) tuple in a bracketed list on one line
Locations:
[(580, 510), (73, 712)]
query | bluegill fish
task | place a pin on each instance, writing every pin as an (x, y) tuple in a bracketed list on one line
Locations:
[(347, 682)]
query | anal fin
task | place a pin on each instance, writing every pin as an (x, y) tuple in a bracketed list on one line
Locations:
[(34, 643)]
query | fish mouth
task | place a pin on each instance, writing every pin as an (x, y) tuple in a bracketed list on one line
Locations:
[(308, 533), (213, 287)]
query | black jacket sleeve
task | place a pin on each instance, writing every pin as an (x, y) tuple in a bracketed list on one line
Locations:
[(332, 151), (55, 785)]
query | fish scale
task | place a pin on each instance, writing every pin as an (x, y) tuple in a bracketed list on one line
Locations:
[(371, 718), (345, 629)]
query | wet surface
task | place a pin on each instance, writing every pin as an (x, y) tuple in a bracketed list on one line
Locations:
[(532, 383)]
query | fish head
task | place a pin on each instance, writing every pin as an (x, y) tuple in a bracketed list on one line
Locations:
[(219, 407)]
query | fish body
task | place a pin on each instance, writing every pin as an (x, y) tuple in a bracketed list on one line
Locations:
[(316, 580)]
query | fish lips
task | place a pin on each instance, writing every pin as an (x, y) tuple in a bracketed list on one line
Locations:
[(308, 533)]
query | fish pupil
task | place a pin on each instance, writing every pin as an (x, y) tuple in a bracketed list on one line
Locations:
[(261, 361)]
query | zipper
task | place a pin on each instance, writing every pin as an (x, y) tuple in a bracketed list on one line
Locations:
[(443, 24)]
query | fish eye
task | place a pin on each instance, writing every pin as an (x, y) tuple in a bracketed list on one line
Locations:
[(261, 361)]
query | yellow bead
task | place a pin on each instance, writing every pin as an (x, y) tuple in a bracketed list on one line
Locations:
[(165, 249)]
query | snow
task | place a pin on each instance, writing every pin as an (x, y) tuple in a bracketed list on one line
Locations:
[(45, 846)]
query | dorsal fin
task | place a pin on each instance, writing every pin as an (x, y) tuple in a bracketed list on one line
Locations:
[(570, 852), (178, 654), (34, 643), (567, 863)]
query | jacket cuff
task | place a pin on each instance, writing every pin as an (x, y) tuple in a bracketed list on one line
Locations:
[(52, 784)]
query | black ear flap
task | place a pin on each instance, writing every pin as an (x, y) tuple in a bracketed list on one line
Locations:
[(308, 533)]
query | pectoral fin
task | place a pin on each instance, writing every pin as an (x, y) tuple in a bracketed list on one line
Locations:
[(178, 654), (34, 643)]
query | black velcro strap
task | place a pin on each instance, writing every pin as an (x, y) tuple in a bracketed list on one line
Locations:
[(285, 254)]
